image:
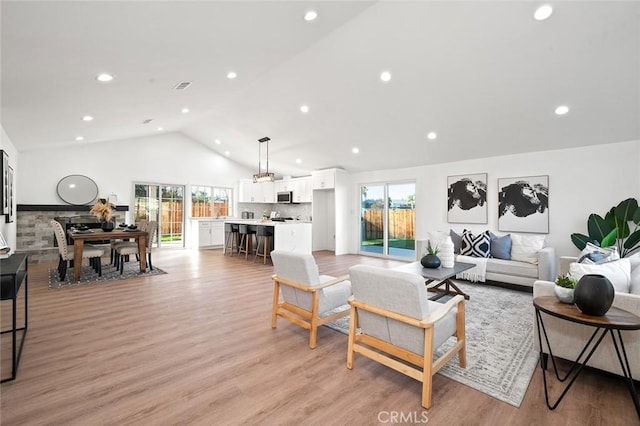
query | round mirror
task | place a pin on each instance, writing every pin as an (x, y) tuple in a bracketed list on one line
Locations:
[(77, 190)]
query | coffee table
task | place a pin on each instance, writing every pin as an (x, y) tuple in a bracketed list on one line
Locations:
[(440, 276)]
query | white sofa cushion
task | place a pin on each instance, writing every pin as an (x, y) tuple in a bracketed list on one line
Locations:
[(618, 272), (525, 247), (634, 285), (512, 267)]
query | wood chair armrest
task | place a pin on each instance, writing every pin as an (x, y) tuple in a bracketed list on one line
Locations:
[(443, 310), (387, 313), (424, 323), (307, 288)]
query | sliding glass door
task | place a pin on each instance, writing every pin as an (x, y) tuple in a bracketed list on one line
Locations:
[(164, 204), (387, 219)]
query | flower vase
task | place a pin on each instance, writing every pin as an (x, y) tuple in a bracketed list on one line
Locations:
[(107, 225), (447, 257), (430, 261)]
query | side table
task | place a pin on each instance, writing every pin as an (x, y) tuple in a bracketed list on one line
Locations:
[(14, 272), (612, 323)]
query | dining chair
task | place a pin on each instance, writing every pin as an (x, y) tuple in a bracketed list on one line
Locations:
[(126, 250), (66, 255), (113, 259)]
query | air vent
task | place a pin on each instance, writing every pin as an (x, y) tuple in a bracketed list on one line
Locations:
[(183, 85), (147, 121)]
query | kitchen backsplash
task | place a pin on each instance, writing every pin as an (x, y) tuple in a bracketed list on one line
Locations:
[(295, 211)]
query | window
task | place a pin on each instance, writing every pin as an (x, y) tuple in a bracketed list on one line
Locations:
[(209, 201)]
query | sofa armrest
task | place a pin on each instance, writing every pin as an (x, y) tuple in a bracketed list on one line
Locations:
[(543, 288), (565, 261), (547, 264)]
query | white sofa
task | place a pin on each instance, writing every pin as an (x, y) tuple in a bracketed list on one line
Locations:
[(513, 271), (567, 339)]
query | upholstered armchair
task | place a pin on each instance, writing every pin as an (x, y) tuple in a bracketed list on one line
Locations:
[(392, 320), (66, 255), (307, 297)]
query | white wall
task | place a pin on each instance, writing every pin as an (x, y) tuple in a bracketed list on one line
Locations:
[(168, 158), (581, 181), (9, 229)]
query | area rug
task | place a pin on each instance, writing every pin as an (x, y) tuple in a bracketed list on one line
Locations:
[(109, 274), (500, 354)]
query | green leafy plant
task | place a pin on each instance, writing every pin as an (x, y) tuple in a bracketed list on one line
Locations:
[(613, 229), (566, 281), (432, 250)]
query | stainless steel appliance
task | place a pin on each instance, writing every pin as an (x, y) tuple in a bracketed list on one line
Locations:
[(285, 197)]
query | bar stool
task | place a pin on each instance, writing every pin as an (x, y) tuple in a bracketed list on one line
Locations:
[(263, 235), (246, 240), (232, 233)]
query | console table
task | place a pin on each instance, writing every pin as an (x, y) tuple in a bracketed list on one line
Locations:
[(611, 323), (13, 273)]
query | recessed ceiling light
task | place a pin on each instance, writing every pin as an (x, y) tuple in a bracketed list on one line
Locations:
[(298, 161), (87, 118), (562, 110), (160, 129), (355, 150), (227, 153), (304, 108), (310, 15), (104, 77), (185, 110), (231, 75), (385, 76), (217, 141), (432, 135), (543, 12), (79, 138)]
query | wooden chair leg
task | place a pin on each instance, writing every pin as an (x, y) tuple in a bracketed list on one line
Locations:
[(149, 262), (427, 369), (121, 264), (98, 262), (63, 271), (352, 336), (274, 310), (461, 336)]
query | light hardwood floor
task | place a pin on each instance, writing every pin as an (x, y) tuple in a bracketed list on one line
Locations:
[(195, 346)]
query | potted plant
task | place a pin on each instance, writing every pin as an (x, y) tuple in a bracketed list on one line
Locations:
[(564, 288), (430, 259), (613, 229)]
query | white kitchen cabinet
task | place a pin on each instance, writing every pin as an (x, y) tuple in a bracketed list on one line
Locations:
[(207, 233), (324, 179), (302, 190), (256, 192)]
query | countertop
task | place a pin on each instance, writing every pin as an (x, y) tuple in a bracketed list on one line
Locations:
[(268, 222)]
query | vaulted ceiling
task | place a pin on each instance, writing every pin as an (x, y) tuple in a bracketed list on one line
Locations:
[(486, 77)]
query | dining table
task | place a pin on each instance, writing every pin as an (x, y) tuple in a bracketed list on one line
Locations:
[(79, 238)]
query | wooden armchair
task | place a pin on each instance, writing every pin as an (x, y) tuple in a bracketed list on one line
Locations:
[(307, 296), (400, 327)]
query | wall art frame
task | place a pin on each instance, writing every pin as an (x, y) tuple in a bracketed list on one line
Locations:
[(9, 217), (4, 172), (467, 198), (523, 204)]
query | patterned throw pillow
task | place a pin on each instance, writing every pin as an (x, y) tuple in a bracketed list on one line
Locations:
[(476, 245), (592, 254)]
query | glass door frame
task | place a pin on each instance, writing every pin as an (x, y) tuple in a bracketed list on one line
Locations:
[(386, 208), (160, 186)]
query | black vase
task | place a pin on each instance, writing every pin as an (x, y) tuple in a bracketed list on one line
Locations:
[(594, 294), (107, 226), (430, 261)]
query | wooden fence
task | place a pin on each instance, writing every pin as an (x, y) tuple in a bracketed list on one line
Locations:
[(172, 214), (402, 224)]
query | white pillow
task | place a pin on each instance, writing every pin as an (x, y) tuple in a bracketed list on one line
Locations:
[(593, 254), (618, 272), (634, 286), (525, 248)]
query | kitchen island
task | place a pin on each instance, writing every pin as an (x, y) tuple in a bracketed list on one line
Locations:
[(290, 235)]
